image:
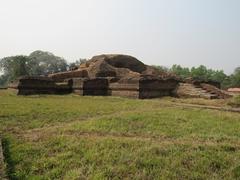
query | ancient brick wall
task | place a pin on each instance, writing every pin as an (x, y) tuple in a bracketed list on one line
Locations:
[(124, 90), (156, 87), (143, 87), (59, 77), (93, 87), (40, 85), (35, 85)]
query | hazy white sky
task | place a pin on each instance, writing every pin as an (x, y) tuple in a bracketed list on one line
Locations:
[(161, 32)]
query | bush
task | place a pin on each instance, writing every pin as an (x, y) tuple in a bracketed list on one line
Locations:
[(235, 102)]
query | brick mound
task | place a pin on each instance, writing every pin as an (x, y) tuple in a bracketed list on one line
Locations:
[(101, 68), (113, 65), (120, 61), (118, 75)]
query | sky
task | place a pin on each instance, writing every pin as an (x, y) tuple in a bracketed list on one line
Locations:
[(157, 32)]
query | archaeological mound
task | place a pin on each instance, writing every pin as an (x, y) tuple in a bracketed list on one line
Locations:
[(117, 75)]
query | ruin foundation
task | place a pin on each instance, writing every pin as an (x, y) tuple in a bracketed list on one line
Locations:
[(117, 75)]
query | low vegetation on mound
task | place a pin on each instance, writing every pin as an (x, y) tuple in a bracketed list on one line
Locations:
[(235, 102), (73, 137)]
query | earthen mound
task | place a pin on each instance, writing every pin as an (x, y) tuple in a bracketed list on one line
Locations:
[(101, 69), (121, 61), (117, 66), (120, 66)]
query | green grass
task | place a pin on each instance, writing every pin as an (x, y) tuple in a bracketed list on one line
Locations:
[(73, 137)]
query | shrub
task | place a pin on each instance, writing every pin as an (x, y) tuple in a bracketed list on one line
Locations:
[(235, 102)]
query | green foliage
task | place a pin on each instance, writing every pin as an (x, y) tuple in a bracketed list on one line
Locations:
[(73, 137), (37, 63), (77, 63), (162, 68), (43, 63), (180, 71), (236, 78), (13, 67), (202, 73), (3, 80), (235, 102)]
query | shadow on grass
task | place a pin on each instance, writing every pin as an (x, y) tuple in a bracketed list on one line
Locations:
[(8, 159)]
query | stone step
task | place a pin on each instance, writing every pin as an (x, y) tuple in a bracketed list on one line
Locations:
[(206, 96), (190, 90)]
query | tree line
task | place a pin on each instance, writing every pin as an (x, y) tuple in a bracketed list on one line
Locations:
[(40, 63), (203, 73)]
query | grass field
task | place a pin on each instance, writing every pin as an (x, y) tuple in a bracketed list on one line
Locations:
[(73, 137)]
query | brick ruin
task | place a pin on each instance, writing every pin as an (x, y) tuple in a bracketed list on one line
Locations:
[(117, 75)]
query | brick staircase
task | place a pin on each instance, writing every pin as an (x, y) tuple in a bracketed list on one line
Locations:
[(188, 90), (214, 90)]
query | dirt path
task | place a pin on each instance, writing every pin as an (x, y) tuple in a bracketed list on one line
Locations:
[(206, 107)]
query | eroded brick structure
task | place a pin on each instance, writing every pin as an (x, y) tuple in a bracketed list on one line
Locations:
[(109, 75)]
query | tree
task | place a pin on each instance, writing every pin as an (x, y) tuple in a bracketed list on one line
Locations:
[(37, 63), (180, 71), (76, 64), (43, 63), (13, 67), (200, 73), (161, 68), (235, 78), (217, 75), (3, 80)]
